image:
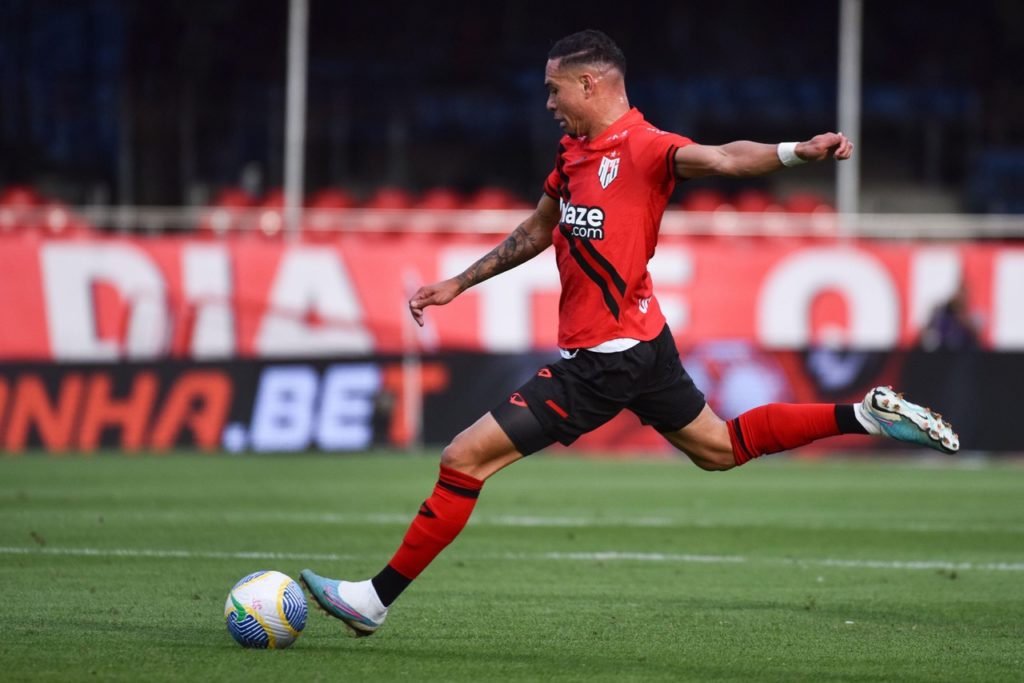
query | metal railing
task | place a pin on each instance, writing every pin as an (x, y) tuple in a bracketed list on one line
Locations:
[(325, 223)]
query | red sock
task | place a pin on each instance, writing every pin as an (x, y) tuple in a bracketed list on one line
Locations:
[(440, 519), (779, 427)]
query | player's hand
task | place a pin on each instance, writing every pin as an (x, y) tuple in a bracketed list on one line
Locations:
[(821, 147), (437, 294)]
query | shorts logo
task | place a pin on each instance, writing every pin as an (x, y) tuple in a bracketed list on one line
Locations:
[(517, 400), (544, 372), (609, 169), (586, 222), (645, 304)]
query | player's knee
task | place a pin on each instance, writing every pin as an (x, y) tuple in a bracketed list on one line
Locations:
[(461, 455), (453, 456)]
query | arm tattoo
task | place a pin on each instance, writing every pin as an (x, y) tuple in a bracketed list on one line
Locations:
[(519, 247)]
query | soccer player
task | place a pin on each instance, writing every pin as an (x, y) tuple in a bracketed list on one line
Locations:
[(601, 209)]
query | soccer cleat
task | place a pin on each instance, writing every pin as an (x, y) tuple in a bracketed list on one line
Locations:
[(355, 604), (896, 417)]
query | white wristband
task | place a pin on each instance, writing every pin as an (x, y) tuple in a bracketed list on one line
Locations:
[(787, 154)]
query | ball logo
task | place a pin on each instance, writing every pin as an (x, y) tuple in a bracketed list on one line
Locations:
[(585, 222), (240, 611)]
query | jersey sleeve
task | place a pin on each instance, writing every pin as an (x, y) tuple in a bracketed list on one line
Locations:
[(552, 184), (660, 153)]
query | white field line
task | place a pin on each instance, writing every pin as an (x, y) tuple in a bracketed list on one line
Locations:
[(785, 561), (540, 521), (176, 554), (605, 556)]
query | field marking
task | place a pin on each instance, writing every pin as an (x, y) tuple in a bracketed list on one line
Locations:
[(786, 561), (603, 556), (561, 521), (176, 554)]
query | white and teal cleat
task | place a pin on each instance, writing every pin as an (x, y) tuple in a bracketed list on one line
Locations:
[(355, 604), (891, 414)]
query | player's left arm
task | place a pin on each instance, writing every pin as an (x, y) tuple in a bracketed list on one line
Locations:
[(745, 158)]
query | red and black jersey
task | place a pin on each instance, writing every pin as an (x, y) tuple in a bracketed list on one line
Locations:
[(612, 191)]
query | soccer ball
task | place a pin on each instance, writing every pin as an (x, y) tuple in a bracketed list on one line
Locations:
[(266, 609)]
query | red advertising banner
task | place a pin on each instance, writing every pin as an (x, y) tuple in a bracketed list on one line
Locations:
[(96, 299)]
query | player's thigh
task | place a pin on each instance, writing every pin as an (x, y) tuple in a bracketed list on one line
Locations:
[(481, 449), (705, 440)]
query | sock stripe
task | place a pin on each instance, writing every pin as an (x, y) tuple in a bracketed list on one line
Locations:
[(459, 490), (740, 441), (846, 419)]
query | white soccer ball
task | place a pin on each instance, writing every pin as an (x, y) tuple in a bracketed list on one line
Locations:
[(266, 609)]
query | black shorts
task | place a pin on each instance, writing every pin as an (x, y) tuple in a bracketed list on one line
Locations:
[(574, 396)]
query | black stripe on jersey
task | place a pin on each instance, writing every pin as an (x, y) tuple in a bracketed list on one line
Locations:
[(551, 191), (609, 299), (560, 167), (670, 161), (613, 274)]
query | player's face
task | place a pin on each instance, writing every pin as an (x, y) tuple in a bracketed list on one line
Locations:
[(565, 98)]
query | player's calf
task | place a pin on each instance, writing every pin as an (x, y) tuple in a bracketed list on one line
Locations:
[(715, 458)]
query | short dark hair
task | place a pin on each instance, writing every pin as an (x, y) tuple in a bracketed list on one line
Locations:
[(588, 47)]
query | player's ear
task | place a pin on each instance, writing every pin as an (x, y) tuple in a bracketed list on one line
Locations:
[(587, 83)]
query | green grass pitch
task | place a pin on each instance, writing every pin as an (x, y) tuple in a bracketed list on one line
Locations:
[(117, 568)]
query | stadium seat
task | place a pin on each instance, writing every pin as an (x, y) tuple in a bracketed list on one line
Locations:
[(59, 221), (435, 207), (807, 203), (270, 217), (389, 198), (321, 221), (819, 214), (233, 197), (495, 198), (227, 213), (332, 198), (440, 198), (20, 196), (18, 209), (756, 201), (705, 200)]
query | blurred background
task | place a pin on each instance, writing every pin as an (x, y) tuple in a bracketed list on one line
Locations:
[(151, 299), (171, 102)]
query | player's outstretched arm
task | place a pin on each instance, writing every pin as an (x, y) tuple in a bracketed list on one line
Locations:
[(745, 158), (529, 239)]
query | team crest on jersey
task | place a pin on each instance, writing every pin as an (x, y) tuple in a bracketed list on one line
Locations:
[(609, 169)]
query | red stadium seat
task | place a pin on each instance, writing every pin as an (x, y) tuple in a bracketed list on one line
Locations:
[(20, 197), (233, 197), (807, 202), (756, 201), (270, 217), (495, 198), (705, 200), (390, 198), (18, 209), (321, 220), (227, 214), (59, 221), (440, 198), (332, 198), (273, 199)]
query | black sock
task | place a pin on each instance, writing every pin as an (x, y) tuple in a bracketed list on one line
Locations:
[(846, 419), (389, 584)]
